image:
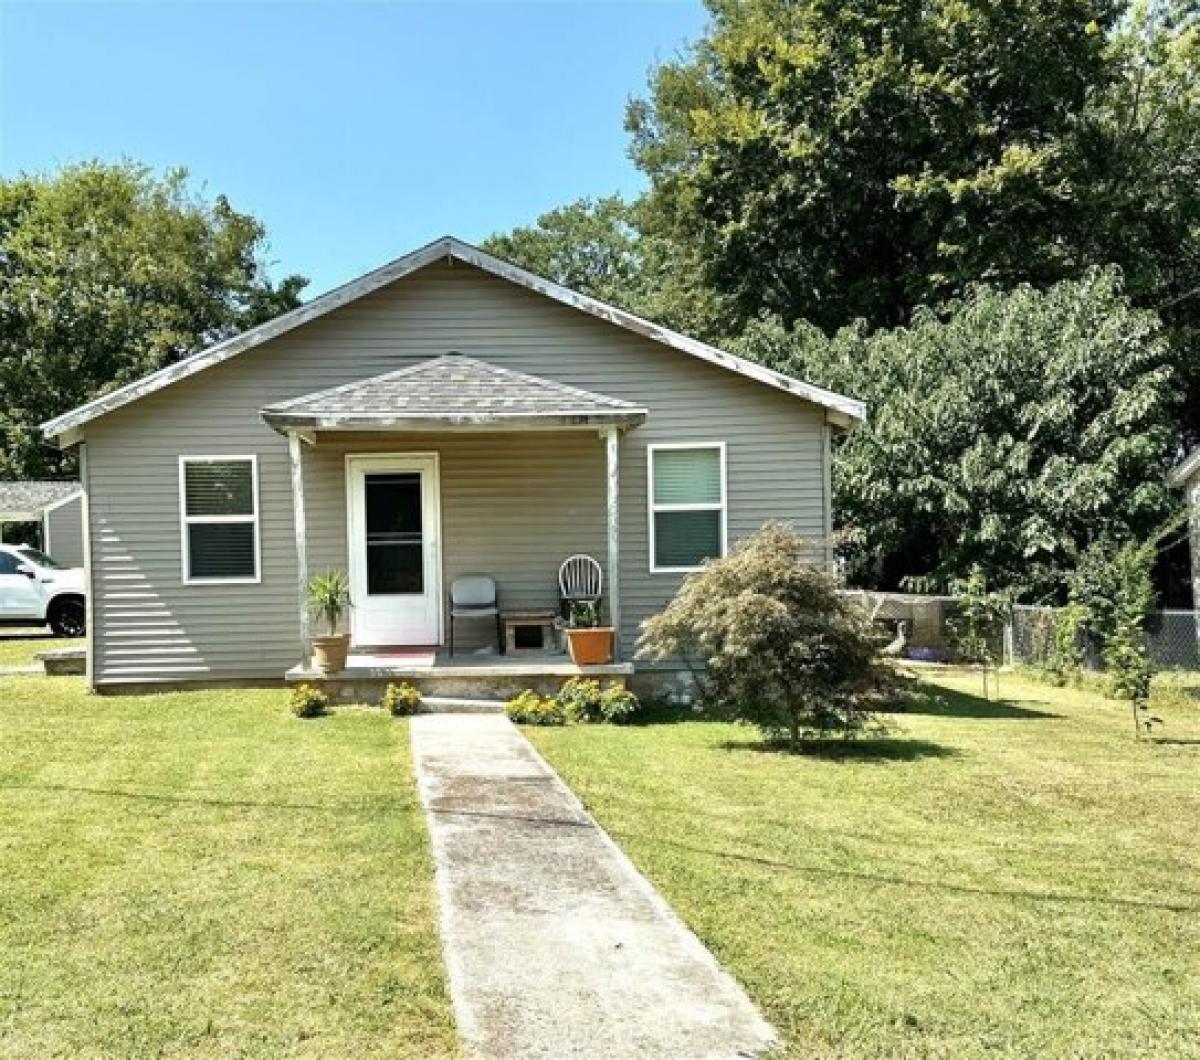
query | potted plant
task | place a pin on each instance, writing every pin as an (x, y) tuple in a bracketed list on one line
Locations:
[(589, 643), (329, 596)]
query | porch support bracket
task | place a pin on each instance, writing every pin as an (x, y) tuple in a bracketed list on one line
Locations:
[(612, 448), (295, 455)]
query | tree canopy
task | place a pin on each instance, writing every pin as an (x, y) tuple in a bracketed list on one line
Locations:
[(108, 272), (1011, 430)]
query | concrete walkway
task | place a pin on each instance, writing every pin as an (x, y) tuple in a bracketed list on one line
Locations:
[(556, 946)]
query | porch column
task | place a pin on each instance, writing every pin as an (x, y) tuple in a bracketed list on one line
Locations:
[(295, 455), (612, 441)]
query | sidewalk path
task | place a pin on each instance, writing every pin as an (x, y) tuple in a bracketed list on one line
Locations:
[(556, 946)]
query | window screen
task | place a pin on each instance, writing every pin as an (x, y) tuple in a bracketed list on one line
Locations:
[(220, 517), (687, 506)]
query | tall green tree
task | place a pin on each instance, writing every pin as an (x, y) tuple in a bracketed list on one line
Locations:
[(844, 159), (1010, 431), (600, 247), (108, 272)]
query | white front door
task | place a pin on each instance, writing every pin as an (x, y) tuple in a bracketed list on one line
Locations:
[(395, 567)]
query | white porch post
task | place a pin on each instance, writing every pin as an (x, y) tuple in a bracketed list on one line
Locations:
[(612, 440), (295, 454)]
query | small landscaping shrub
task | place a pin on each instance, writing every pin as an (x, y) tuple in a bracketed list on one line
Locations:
[(308, 702), (583, 699), (782, 649), (401, 700), (529, 708)]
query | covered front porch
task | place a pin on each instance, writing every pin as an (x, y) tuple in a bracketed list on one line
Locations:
[(452, 467)]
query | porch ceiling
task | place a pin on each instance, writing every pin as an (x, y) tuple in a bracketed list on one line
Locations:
[(452, 391)]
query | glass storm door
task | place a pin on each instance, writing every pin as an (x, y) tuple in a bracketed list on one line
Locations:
[(394, 571)]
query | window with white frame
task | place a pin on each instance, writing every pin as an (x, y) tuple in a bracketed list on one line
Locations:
[(218, 500), (687, 505)]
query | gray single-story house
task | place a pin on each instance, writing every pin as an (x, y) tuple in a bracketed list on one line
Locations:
[(55, 506), (496, 422)]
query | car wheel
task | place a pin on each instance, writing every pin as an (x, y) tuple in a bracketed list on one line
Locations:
[(68, 618)]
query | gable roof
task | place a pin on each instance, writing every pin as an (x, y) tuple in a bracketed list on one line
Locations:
[(843, 410), (25, 501), (1182, 473), (451, 390)]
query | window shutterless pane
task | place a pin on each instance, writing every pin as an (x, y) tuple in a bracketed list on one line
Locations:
[(219, 487), (687, 476), (686, 539), (221, 550)]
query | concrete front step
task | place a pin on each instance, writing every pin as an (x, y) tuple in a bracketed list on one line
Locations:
[(451, 705)]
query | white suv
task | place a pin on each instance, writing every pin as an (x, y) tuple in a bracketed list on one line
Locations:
[(34, 590)]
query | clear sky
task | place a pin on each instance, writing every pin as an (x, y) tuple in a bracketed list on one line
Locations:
[(356, 132)]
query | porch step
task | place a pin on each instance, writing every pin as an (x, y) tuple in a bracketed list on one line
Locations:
[(455, 705)]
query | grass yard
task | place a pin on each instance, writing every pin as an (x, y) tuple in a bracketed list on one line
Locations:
[(1004, 879), (201, 875), (20, 647)]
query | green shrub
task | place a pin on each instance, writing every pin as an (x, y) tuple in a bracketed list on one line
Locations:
[(580, 698), (583, 700), (308, 702), (529, 708), (780, 648), (401, 700)]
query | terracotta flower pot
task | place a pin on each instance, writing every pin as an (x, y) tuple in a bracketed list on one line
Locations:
[(590, 647), (329, 652)]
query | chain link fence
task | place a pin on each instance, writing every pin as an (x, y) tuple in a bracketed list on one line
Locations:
[(1170, 635)]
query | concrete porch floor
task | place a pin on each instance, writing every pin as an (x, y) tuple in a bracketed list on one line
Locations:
[(484, 675)]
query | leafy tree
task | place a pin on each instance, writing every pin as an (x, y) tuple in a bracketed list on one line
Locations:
[(1113, 591), (590, 245), (1011, 431), (784, 650), (108, 272), (837, 159), (978, 624), (601, 248)]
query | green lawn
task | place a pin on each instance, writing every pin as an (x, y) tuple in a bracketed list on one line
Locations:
[(201, 875), (20, 647), (1016, 879)]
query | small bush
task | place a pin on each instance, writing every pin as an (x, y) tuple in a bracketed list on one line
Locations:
[(780, 648), (308, 702), (579, 699), (529, 708), (583, 700), (401, 700)]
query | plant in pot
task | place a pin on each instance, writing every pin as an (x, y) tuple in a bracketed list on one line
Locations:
[(589, 643), (329, 597)]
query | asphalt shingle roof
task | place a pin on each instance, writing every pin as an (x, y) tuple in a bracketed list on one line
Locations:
[(30, 497), (451, 389)]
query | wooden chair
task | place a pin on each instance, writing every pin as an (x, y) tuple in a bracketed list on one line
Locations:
[(475, 596), (580, 579)]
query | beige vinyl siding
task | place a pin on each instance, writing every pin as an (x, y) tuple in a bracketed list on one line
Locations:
[(515, 504), (63, 528)]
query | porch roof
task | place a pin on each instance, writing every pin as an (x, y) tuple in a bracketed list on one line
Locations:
[(451, 391)]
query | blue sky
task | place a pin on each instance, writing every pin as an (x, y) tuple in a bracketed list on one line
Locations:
[(354, 131)]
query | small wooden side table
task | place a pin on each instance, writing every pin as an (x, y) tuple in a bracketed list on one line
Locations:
[(528, 631)]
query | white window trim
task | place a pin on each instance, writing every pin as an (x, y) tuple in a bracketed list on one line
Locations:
[(653, 509), (186, 520)]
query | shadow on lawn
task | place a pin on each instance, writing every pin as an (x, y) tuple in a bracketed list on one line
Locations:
[(194, 799), (949, 703), (943, 886), (862, 749)]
